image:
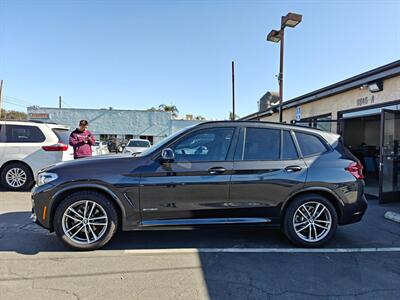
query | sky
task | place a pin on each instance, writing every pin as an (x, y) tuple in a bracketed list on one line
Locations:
[(140, 54)]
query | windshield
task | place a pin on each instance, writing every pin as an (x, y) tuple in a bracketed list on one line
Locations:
[(164, 142), (141, 144)]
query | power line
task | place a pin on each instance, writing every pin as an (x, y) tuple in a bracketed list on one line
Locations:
[(13, 103), (19, 100)]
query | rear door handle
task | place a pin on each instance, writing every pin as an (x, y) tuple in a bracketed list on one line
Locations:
[(216, 170), (291, 169)]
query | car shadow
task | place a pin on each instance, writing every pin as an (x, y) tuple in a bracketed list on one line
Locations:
[(19, 234)]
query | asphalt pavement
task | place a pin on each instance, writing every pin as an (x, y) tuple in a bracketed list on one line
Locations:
[(361, 262)]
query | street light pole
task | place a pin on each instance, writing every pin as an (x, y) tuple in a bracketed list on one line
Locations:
[(280, 76), (276, 36)]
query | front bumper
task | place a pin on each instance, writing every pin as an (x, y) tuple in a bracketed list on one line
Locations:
[(41, 205)]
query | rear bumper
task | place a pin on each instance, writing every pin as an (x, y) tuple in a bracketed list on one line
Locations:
[(354, 212)]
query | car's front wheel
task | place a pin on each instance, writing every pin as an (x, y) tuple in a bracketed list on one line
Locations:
[(310, 220), (85, 220), (17, 177)]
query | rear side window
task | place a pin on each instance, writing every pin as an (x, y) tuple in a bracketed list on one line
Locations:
[(262, 144), (62, 135), (24, 134), (288, 148), (310, 144)]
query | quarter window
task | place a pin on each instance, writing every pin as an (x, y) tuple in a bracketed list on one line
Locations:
[(262, 144), (310, 144), (204, 145), (23, 134)]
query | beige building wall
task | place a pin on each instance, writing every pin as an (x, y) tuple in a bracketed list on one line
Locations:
[(352, 99)]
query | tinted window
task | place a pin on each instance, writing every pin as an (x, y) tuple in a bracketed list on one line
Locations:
[(310, 144), (262, 144), (24, 134), (205, 145), (62, 135), (288, 147)]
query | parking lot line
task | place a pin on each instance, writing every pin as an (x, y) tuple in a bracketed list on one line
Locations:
[(260, 250)]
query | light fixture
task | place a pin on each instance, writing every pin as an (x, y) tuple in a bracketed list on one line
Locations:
[(291, 20), (274, 36), (375, 86)]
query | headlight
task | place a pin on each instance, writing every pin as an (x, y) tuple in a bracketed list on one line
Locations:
[(45, 178)]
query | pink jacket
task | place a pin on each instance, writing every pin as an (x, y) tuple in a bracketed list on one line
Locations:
[(82, 142)]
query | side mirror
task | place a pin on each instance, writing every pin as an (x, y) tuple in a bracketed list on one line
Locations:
[(167, 154)]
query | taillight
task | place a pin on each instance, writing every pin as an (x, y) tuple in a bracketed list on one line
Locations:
[(356, 169), (56, 147)]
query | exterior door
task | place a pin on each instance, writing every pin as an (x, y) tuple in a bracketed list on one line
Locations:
[(389, 179), (267, 169), (195, 186)]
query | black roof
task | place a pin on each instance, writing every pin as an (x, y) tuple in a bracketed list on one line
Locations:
[(380, 73)]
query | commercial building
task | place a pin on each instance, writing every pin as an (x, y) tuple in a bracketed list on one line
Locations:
[(365, 110), (107, 124)]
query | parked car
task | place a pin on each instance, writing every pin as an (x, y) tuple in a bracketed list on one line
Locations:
[(100, 148), (114, 146), (136, 146), (26, 147), (302, 180)]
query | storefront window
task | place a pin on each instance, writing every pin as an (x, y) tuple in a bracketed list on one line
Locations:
[(321, 122)]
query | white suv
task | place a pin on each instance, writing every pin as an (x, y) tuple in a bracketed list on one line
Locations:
[(28, 146)]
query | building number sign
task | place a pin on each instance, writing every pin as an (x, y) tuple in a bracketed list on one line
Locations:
[(365, 100)]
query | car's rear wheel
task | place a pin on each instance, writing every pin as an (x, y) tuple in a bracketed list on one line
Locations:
[(85, 220), (310, 220), (17, 177)]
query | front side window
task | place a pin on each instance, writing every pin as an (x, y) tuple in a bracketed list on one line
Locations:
[(310, 144), (204, 145), (262, 144), (24, 134)]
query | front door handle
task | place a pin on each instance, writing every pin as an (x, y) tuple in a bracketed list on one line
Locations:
[(216, 170), (291, 169)]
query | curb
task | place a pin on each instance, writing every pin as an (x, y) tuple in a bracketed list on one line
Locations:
[(392, 216)]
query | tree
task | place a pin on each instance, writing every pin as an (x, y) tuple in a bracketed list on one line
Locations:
[(169, 108), (199, 118), (231, 116), (13, 115)]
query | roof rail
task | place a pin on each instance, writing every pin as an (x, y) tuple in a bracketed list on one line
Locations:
[(27, 121), (261, 122)]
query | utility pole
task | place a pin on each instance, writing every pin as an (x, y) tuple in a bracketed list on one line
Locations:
[(233, 90), (1, 90), (59, 101)]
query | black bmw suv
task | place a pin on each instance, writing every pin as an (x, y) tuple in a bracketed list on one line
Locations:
[(215, 173)]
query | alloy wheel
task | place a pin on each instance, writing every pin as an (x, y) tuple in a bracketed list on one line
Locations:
[(84, 222), (312, 221), (16, 177)]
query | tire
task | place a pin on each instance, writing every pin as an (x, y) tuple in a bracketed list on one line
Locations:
[(83, 236), (17, 177), (296, 213)]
